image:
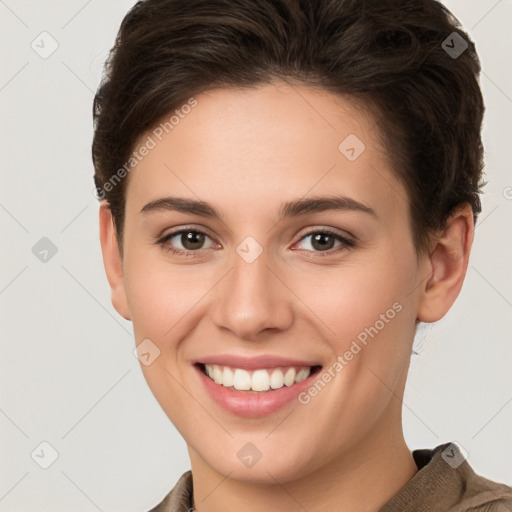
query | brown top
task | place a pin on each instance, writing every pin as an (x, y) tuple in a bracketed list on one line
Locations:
[(445, 482)]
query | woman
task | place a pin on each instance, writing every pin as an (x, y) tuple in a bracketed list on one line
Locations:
[(288, 189)]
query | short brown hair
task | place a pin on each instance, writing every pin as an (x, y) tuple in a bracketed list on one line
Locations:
[(392, 55)]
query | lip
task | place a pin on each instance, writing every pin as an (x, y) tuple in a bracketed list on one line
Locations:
[(252, 405), (254, 363)]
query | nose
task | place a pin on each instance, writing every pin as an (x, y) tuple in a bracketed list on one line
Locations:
[(253, 299)]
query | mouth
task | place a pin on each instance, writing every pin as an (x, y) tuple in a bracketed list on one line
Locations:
[(257, 386), (259, 380)]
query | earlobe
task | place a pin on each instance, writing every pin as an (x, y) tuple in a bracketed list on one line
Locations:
[(448, 262), (112, 261)]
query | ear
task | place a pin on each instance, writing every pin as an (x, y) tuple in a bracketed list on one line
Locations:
[(447, 265), (112, 261)]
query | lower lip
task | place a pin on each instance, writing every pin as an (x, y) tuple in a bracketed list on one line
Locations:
[(253, 405)]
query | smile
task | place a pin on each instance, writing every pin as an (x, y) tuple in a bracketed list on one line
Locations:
[(255, 392), (259, 380)]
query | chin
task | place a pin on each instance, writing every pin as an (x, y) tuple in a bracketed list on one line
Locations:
[(272, 466)]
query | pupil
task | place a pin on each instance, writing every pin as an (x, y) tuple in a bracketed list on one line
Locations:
[(193, 239), (322, 236)]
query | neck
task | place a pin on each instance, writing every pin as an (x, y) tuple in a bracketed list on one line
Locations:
[(363, 478)]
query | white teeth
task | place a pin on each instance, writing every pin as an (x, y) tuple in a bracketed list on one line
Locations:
[(277, 379), (217, 375), (302, 374), (260, 380), (242, 380), (289, 377), (228, 377), (257, 380)]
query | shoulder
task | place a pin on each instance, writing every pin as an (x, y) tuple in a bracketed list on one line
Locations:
[(446, 482), (471, 491), (483, 495), (179, 499)]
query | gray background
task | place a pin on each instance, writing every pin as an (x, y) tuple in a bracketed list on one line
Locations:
[(68, 374)]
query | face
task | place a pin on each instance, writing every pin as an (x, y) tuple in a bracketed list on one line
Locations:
[(333, 284)]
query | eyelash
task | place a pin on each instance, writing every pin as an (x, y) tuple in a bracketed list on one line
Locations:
[(347, 243)]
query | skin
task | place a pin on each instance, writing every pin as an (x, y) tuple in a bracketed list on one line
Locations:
[(246, 152)]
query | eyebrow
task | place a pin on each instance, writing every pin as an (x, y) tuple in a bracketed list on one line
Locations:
[(289, 209)]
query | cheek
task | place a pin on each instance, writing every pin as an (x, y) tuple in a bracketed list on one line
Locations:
[(162, 303), (368, 316), (160, 296), (352, 300)]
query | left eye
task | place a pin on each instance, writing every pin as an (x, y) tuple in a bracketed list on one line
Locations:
[(322, 241)]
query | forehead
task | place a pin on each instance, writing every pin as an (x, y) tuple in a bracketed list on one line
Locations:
[(246, 146)]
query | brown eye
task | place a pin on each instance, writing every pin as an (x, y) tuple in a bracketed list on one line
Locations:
[(323, 241), (192, 240), (184, 241)]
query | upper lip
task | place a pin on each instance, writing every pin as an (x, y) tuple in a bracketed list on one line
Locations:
[(254, 363)]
